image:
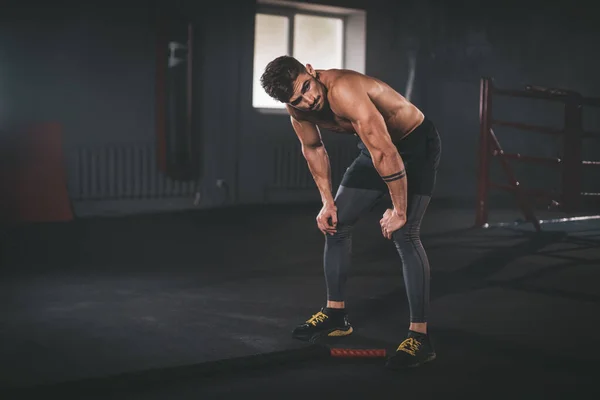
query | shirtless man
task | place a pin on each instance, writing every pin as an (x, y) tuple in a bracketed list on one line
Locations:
[(399, 154)]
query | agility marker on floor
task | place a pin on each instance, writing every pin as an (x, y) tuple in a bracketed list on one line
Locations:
[(358, 353)]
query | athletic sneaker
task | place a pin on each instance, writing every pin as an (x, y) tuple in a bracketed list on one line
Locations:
[(414, 351), (327, 322)]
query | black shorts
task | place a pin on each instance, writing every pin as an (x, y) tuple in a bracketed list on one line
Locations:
[(420, 151)]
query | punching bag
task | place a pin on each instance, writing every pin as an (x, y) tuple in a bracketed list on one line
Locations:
[(177, 148)]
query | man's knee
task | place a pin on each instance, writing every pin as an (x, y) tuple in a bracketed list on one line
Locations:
[(409, 232), (343, 231)]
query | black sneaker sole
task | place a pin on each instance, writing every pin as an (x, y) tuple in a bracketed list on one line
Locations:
[(335, 332), (429, 358)]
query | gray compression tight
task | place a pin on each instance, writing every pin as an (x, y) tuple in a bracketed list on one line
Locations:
[(351, 204)]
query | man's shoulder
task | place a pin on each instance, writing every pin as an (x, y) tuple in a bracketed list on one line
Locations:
[(346, 90), (348, 81)]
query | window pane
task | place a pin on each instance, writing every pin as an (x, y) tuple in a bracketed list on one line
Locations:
[(270, 41), (319, 41)]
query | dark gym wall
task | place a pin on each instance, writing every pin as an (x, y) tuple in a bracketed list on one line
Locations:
[(91, 66), (517, 43), (86, 65)]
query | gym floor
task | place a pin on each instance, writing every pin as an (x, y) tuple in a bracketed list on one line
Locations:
[(197, 305)]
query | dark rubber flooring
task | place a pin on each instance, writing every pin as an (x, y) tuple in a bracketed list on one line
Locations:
[(200, 305)]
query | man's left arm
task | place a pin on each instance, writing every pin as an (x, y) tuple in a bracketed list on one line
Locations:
[(353, 103)]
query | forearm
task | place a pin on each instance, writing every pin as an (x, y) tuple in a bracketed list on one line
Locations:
[(319, 166), (391, 168)]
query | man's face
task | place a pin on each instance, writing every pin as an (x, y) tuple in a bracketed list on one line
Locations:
[(309, 93)]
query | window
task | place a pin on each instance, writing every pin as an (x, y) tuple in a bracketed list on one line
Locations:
[(320, 39), (270, 41), (309, 33)]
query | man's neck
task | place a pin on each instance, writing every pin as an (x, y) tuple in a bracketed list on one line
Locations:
[(323, 77)]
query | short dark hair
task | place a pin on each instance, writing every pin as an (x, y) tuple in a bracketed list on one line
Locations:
[(279, 76)]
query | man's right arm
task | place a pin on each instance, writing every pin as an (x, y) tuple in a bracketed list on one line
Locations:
[(316, 157)]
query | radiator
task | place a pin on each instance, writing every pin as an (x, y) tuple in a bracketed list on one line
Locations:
[(122, 171), (290, 171)]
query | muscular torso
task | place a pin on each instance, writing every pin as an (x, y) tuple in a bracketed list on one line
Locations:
[(401, 117)]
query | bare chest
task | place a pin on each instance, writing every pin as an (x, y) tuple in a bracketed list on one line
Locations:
[(333, 123)]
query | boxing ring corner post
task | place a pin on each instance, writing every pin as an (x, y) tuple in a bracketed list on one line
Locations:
[(481, 216), (572, 145)]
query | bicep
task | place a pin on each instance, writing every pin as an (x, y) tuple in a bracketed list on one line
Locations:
[(356, 106), (373, 132), (307, 132)]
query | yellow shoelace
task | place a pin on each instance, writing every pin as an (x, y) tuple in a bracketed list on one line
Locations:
[(410, 346), (318, 317)]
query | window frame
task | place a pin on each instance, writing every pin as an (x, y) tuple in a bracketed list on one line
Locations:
[(290, 12)]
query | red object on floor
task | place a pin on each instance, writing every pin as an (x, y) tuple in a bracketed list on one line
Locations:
[(33, 181), (337, 352)]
